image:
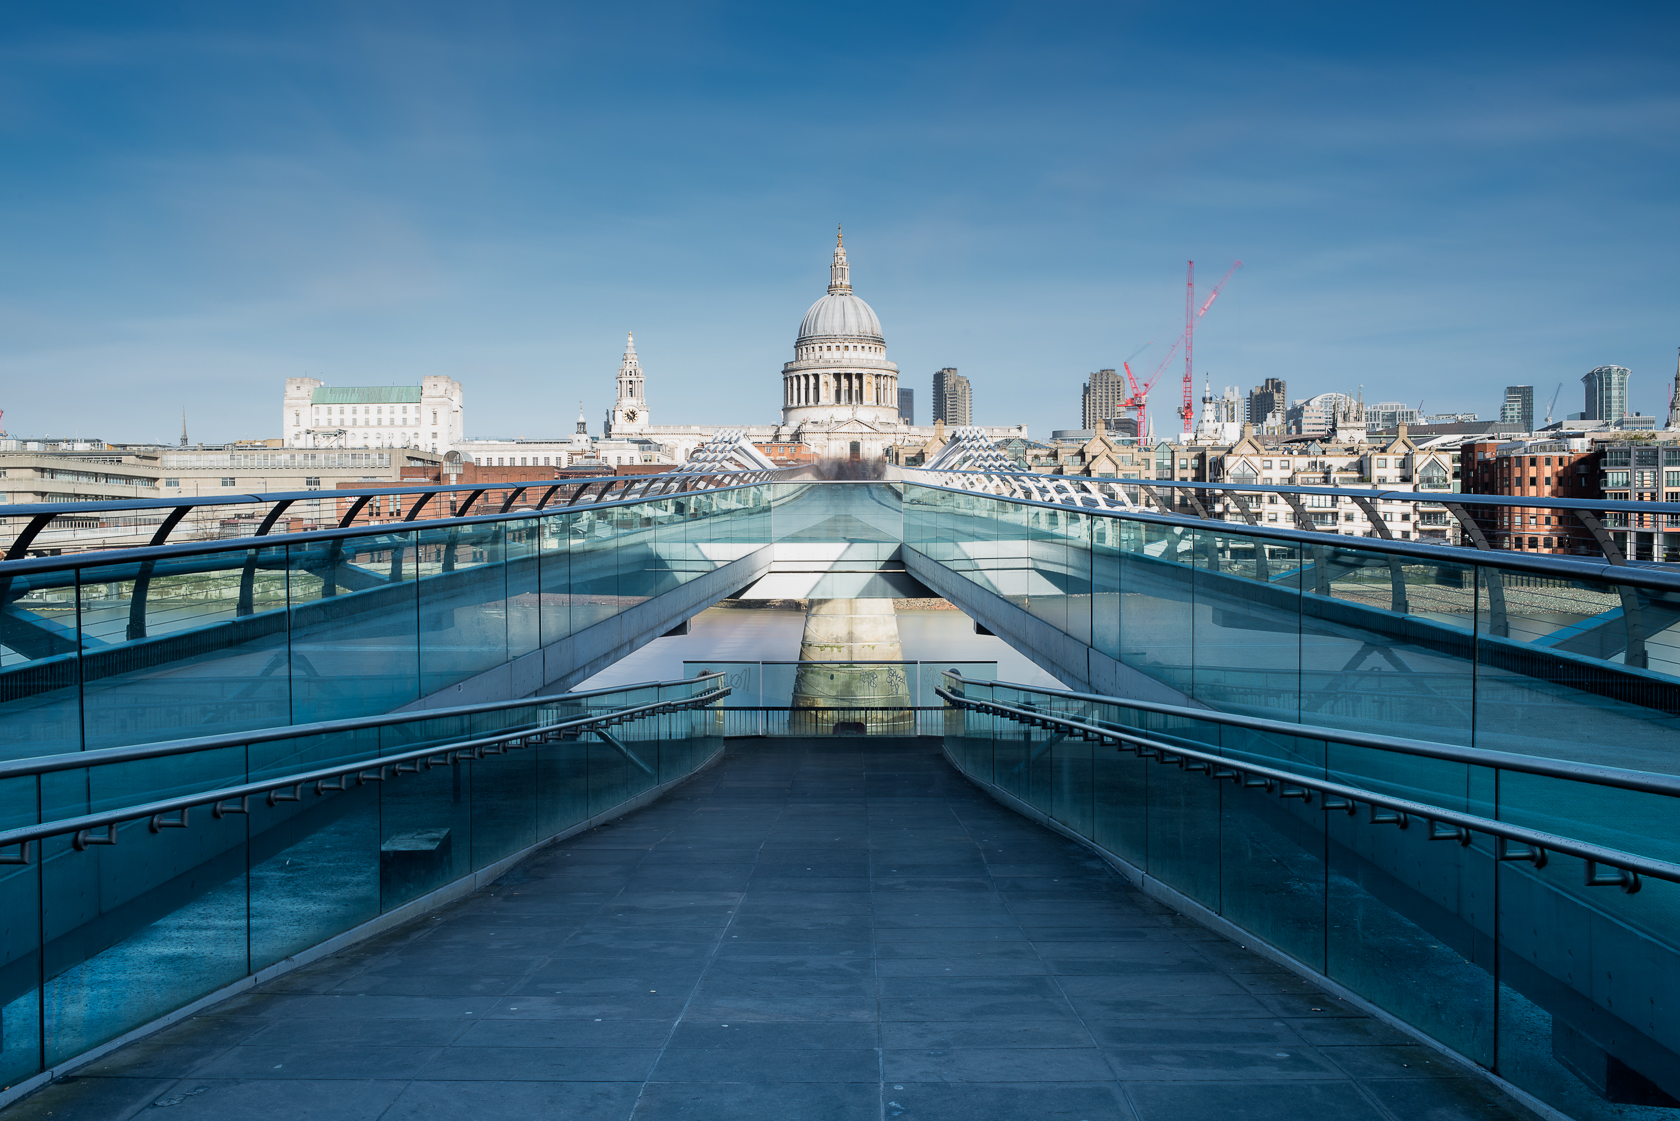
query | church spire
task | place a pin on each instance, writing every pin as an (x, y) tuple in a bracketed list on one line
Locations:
[(839, 273)]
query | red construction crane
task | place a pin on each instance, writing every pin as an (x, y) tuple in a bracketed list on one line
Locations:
[(1191, 314), (1138, 400)]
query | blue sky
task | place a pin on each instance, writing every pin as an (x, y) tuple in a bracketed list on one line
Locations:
[(1431, 201)]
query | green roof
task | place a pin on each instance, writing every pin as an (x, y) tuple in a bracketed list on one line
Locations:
[(365, 395)]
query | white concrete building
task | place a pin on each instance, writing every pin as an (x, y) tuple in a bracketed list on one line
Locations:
[(430, 416)]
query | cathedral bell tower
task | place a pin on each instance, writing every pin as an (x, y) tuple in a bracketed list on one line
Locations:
[(630, 412)]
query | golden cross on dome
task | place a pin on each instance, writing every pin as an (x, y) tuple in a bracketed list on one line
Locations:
[(839, 236)]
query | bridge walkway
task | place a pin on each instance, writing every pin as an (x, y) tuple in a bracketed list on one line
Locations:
[(810, 929)]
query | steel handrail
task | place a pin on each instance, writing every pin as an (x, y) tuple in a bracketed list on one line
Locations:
[(378, 769), (74, 760), (1621, 778), (102, 557), (1429, 497), (1560, 567), (131, 504), (1535, 844)]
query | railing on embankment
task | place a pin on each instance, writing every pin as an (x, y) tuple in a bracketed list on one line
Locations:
[(1522, 911), (1530, 654), (136, 881)]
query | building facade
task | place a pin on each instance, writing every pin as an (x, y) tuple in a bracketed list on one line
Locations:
[(429, 416), (1606, 393), (629, 415), (1555, 468), (1320, 415), (1102, 400), (907, 406), (1518, 408), (839, 370), (1268, 405), (953, 398)]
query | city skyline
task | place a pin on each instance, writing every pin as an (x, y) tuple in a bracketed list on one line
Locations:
[(205, 202)]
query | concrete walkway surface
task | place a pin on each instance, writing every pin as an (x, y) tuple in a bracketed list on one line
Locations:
[(808, 931)]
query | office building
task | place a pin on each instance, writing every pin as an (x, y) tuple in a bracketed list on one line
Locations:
[(953, 400), (1103, 399), (1389, 414), (1518, 407), (907, 406), (1606, 393), (1268, 404)]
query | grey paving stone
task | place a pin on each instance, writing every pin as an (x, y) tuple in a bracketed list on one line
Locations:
[(500, 1032), (263, 1100), (1446, 1099), (1244, 1101), (760, 1101), (760, 1064), (308, 1061), (1392, 1061), (950, 1035), (573, 1101), (995, 1064), (91, 1097), (972, 1101), (539, 1064)]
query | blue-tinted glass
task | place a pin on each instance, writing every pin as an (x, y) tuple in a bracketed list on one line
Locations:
[(354, 625), (524, 586), (195, 642), (463, 612), (556, 577), (40, 670)]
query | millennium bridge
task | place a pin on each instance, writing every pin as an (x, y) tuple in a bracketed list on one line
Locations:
[(317, 824)]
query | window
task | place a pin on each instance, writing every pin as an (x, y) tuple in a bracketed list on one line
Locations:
[(1382, 463), (1271, 517), (227, 482), (172, 482), (1266, 464), (312, 480)]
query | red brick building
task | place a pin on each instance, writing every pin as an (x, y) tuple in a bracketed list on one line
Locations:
[(1561, 469)]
